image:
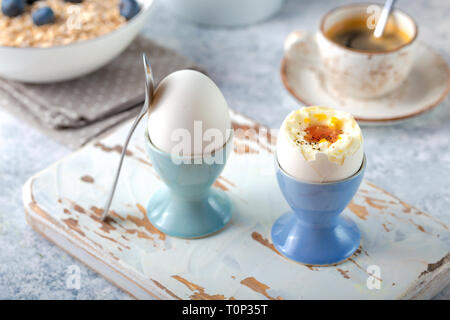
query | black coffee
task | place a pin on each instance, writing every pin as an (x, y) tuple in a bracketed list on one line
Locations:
[(354, 34)]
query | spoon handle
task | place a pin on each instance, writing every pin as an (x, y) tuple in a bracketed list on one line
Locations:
[(149, 87), (384, 16), (122, 156)]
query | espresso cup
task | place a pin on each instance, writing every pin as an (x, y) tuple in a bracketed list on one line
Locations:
[(314, 231), (188, 207), (356, 73)]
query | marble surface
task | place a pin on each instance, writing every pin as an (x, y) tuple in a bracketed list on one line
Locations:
[(411, 160)]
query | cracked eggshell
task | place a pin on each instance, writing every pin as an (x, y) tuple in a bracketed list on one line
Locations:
[(181, 99), (319, 170)]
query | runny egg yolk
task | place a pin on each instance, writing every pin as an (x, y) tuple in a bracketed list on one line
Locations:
[(321, 133)]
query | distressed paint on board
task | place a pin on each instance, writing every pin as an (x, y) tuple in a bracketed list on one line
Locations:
[(409, 246)]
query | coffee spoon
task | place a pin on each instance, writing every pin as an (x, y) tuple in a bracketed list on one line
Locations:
[(384, 16), (149, 87)]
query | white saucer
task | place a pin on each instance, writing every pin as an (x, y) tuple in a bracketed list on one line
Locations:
[(426, 86)]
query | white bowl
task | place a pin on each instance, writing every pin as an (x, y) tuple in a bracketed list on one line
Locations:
[(58, 63), (225, 13)]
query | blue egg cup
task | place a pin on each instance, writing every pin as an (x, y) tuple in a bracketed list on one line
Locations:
[(188, 207), (314, 233)]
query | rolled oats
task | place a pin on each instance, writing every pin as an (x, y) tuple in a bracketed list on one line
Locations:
[(73, 22)]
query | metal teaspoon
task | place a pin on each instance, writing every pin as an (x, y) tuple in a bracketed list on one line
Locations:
[(149, 87), (384, 16)]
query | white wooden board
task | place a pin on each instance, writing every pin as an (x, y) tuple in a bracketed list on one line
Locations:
[(410, 247)]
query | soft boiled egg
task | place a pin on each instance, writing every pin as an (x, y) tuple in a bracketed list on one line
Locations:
[(319, 144), (188, 110)]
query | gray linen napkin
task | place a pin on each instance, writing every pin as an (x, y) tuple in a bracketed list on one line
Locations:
[(76, 111)]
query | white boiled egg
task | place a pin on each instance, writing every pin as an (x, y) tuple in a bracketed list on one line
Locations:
[(189, 109), (319, 144)]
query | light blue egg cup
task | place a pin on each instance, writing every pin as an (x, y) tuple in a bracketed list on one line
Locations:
[(188, 207), (314, 232)]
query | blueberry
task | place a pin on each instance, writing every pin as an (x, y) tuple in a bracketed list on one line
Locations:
[(129, 8), (42, 16), (12, 8)]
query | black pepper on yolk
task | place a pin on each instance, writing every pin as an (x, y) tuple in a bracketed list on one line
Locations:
[(318, 133)]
